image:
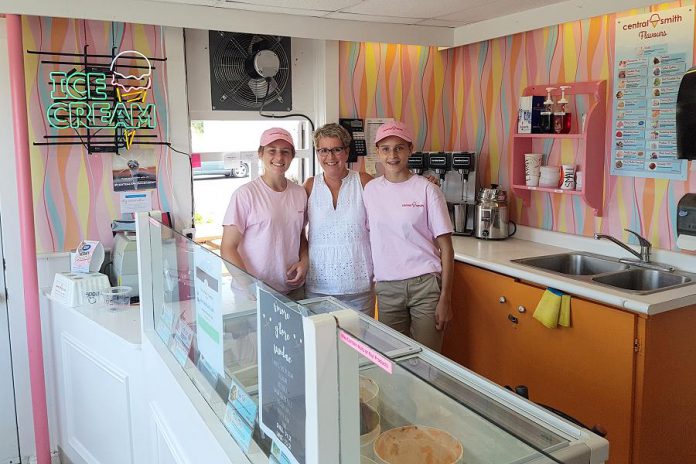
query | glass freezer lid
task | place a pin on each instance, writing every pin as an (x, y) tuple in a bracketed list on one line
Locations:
[(368, 332), (525, 429)]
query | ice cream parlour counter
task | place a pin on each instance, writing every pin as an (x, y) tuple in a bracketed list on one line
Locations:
[(276, 380)]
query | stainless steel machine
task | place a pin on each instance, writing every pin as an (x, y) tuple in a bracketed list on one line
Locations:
[(418, 162), (460, 187)]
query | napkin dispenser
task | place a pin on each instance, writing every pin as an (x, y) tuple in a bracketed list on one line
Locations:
[(686, 222)]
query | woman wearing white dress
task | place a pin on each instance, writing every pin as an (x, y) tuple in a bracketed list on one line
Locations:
[(340, 261)]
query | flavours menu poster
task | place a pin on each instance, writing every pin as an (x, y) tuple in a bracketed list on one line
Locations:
[(653, 51)]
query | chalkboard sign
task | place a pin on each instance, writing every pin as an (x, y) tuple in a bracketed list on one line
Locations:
[(282, 412)]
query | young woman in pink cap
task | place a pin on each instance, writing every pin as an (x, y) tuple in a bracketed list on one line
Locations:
[(263, 226), (411, 239)]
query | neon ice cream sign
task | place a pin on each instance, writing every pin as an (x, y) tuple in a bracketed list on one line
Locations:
[(80, 99)]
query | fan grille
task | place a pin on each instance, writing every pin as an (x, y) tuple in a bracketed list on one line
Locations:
[(233, 86)]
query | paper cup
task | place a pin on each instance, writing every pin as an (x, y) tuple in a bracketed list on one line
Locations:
[(532, 163), (568, 177), (532, 181), (579, 180)]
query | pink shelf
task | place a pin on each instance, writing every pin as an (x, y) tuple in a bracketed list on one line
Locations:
[(549, 136), (590, 152), (547, 190)]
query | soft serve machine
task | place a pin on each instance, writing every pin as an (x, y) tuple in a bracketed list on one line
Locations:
[(458, 180)]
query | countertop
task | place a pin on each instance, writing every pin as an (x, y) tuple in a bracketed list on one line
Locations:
[(123, 322), (497, 255)]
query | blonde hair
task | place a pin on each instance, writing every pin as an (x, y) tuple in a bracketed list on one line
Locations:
[(332, 130)]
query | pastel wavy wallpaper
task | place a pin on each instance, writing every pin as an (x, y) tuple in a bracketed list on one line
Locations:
[(466, 98), (73, 192)]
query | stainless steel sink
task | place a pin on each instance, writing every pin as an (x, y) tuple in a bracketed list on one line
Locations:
[(644, 280), (573, 264), (609, 272)]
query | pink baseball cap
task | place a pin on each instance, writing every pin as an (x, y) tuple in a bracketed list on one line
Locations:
[(275, 133), (396, 128)]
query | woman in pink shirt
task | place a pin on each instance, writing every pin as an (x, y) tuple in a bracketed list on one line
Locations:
[(411, 238), (264, 223)]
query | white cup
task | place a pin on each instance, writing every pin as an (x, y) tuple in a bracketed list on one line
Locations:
[(579, 179), (568, 177), (532, 163), (532, 181)]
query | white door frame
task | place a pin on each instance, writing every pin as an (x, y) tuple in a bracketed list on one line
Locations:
[(9, 437)]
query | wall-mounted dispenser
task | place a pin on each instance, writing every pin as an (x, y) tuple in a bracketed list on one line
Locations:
[(686, 116), (686, 222)]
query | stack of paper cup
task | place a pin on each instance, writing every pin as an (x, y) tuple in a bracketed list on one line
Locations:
[(532, 165), (550, 177), (568, 182), (579, 179)]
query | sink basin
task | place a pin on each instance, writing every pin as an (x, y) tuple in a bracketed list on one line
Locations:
[(573, 264), (643, 280)]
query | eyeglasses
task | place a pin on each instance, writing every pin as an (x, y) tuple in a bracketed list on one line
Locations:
[(386, 149), (335, 150)]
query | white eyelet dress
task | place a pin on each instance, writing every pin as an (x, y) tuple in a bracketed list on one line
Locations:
[(340, 260)]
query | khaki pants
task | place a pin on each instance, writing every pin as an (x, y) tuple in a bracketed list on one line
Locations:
[(297, 294), (363, 302), (408, 306)]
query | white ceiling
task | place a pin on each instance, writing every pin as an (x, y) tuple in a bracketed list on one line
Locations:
[(444, 23), (438, 13)]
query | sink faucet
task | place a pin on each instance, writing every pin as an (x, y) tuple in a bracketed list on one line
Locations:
[(643, 256)]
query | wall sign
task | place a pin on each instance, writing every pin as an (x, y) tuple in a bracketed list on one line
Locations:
[(282, 413), (102, 105), (653, 51)]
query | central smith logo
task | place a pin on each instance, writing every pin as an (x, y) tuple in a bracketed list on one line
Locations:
[(654, 21), (413, 205)]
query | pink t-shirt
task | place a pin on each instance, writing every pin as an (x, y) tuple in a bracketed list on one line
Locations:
[(271, 223), (404, 219)]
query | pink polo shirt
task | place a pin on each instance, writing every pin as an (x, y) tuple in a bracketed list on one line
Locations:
[(271, 223), (404, 220)]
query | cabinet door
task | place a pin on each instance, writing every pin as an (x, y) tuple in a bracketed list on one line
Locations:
[(585, 370), (481, 335)]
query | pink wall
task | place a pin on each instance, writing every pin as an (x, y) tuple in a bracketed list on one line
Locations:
[(467, 97), (73, 192)]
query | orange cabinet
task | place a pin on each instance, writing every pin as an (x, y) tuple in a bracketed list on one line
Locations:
[(606, 369)]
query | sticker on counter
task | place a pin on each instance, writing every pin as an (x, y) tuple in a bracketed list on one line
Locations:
[(277, 456), (165, 323), (371, 354), (239, 400), (182, 342), (240, 430)]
